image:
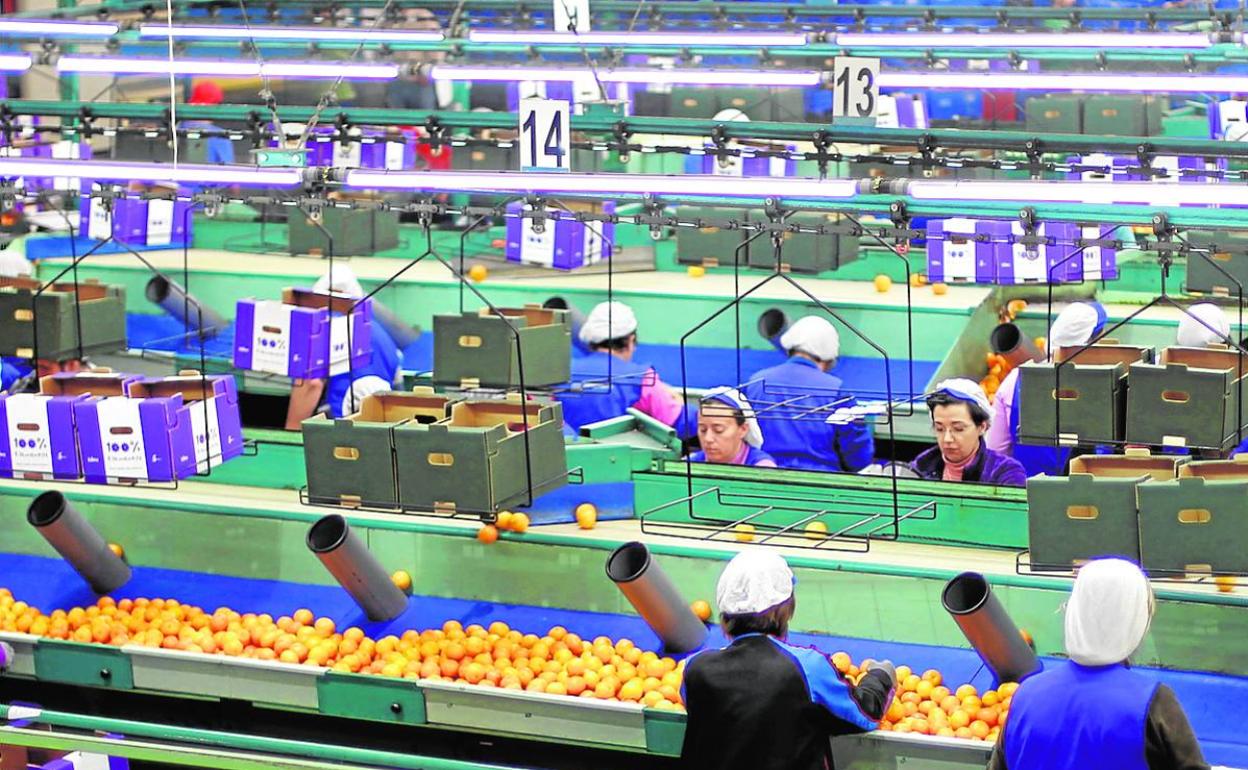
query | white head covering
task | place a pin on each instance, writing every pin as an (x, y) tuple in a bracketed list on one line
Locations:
[(754, 581), (1193, 334), (733, 398), (1108, 612), (731, 115), (967, 390), (13, 264), (814, 336), (608, 321), (340, 280), (1077, 325), (361, 389)]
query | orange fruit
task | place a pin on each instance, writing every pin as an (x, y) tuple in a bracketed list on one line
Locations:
[(896, 711), (959, 718), (979, 730), (1007, 689), (972, 704), (487, 534), (991, 698), (816, 530), (702, 609), (940, 288), (965, 691), (945, 732), (919, 726), (883, 283), (988, 715), (744, 533), (586, 515), (924, 689), (911, 683), (917, 279), (962, 732), (118, 550), (950, 704), (519, 522), (478, 273), (1015, 306), (903, 672), (841, 661), (632, 690), (302, 616)]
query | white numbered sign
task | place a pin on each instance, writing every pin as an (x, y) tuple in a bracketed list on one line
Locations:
[(545, 138), (855, 87), (571, 15)]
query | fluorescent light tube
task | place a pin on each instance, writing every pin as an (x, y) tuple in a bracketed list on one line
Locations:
[(56, 28), (1103, 193), (1084, 81), (14, 62), (151, 172), (1022, 40), (757, 78), (309, 34), (112, 65), (619, 184), (640, 38)]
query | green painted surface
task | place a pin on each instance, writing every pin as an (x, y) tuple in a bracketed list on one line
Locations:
[(665, 732), (93, 665), (374, 698)]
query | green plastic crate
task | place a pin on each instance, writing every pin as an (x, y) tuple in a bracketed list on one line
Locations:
[(1228, 252), (1118, 115), (1190, 398), (1197, 523), (475, 460), (478, 348), (344, 232), (350, 460), (756, 103), (54, 313), (1055, 114)]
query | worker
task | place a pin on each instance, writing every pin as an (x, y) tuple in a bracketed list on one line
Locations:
[(414, 88), (1203, 325), (761, 703), (1079, 324), (1093, 711), (343, 393), (796, 397), (961, 416), (609, 380), (219, 150), (728, 431)]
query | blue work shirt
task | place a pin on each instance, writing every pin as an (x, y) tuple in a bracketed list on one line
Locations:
[(806, 442), (12, 370), (602, 398), (385, 363)]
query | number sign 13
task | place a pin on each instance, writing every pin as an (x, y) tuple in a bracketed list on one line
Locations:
[(545, 141), (855, 87)]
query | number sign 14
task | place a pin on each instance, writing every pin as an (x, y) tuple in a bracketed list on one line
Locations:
[(855, 87), (545, 135)]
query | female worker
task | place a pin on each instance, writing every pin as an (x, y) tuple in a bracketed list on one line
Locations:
[(607, 381), (960, 417), (728, 431), (760, 703), (1093, 711), (799, 386), (1077, 325)]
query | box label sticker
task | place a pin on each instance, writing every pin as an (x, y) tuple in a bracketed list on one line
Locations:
[(121, 434), (159, 222), (30, 443), (270, 337), (958, 249)]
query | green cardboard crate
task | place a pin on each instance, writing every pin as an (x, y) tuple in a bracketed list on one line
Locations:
[(484, 158), (52, 318), (1093, 397), (478, 348), (1228, 252), (1055, 114), (788, 105), (714, 246), (1122, 115), (350, 460), (346, 232), (694, 102), (1197, 523), (475, 460), (805, 252), (1092, 512), (756, 103), (1187, 399)]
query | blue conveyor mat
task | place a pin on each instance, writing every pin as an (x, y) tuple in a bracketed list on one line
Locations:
[(706, 367), (51, 584)]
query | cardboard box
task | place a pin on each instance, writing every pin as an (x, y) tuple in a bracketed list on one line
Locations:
[(563, 245), (350, 461), (805, 252), (378, 150), (1093, 512), (1189, 398), (1195, 524), (694, 102), (1224, 270), (53, 318), (1095, 263), (155, 222), (1092, 395), (485, 158), (1054, 114), (478, 460), (346, 232), (304, 336), (478, 348), (1118, 115), (714, 246), (966, 250)]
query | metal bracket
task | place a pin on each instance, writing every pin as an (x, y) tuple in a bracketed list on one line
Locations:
[(1027, 218)]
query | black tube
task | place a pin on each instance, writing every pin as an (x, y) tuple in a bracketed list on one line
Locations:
[(655, 598), (77, 542), (1008, 340), (574, 313), (399, 331), (174, 300), (355, 568), (988, 627), (771, 324)]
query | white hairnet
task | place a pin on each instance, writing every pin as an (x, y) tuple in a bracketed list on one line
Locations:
[(339, 280), (733, 398), (754, 581), (13, 264), (731, 115), (814, 336), (608, 321), (1108, 612), (361, 389), (1194, 334), (1077, 325), (966, 390)]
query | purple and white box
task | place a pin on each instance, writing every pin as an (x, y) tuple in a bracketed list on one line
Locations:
[(1048, 262), (1098, 159), (156, 222), (37, 439), (564, 245), (1174, 166), (304, 336), (378, 153), (1228, 120), (955, 255)]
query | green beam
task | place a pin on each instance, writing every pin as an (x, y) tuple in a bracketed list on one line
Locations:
[(213, 739)]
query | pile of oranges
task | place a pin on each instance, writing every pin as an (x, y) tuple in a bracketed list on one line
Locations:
[(559, 663), (922, 704)]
